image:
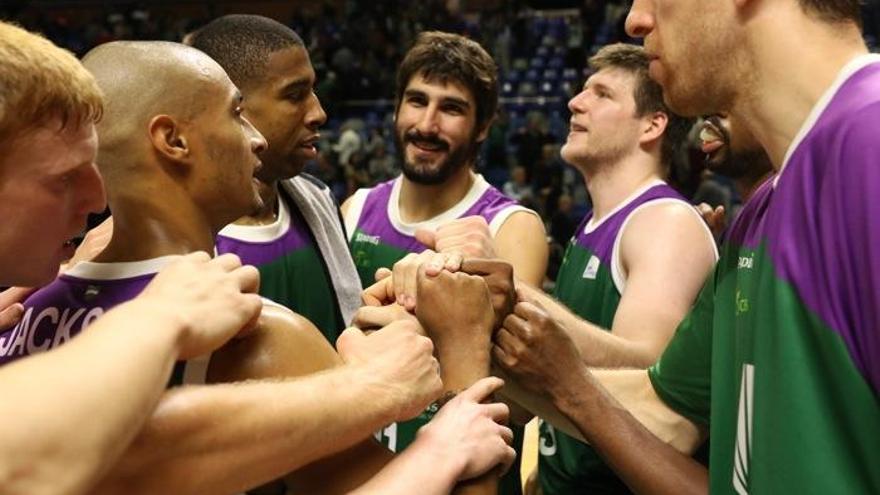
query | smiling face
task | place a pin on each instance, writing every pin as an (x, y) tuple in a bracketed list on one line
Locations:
[(282, 104), (435, 129), (49, 183), (694, 50), (604, 123)]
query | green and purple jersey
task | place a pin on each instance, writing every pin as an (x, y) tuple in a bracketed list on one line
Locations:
[(781, 355), (590, 283), (379, 238), (292, 271)]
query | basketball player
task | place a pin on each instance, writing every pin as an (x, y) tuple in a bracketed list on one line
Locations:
[(48, 184), (637, 261), (778, 359), (295, 238), (447, 96), (183, 135)]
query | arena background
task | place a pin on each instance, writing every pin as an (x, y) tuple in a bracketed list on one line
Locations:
[(540, 47)]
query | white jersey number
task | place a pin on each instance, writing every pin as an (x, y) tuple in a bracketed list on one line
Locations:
[(547, 443), (389, 433), (743, 453)]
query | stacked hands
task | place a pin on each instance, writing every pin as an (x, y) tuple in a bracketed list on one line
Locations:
[(452, 293), (473, 311), (436, 321)]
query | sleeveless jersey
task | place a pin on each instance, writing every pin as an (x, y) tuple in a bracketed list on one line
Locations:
[(292, 271), (590, 283), (379, 238), (781, 355), (61, 310)]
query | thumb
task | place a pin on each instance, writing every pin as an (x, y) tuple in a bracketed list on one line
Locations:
[(426, 237)]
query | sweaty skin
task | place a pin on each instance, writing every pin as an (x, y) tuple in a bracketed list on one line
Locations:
[(184, 136)]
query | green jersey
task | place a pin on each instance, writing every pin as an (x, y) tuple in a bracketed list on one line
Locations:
[(781, 356), (590, 283), (292, 271), (379, 238)]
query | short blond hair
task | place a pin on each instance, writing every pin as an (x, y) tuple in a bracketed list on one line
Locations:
[(40, 82)]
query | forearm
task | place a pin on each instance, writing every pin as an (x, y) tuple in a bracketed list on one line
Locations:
[(117, 369), (229, 437), (598, 347), (342, 472), (417, 470), (647, 464), (461, 365), (632, 390)]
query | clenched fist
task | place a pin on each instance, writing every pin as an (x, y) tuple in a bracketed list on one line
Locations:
[(398, 362), (456, 311)]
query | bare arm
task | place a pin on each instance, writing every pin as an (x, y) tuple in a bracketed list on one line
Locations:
[(544, 360), (456, 312), (67, 452), (655, 467), (522, 242), (118, 369), (225, 438), (633, 391), (667, 254), (288, 345)]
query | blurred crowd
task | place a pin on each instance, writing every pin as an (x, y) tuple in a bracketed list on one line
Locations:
[(541, 54)]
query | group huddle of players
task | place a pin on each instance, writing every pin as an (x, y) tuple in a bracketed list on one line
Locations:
[(358, 348)]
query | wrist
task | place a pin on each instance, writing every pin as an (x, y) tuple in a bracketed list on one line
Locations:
[(461, 367), (571, 396), (370, 388), (446, 462), (145, 318)]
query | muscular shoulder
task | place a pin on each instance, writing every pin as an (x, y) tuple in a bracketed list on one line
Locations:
[(666, 228), (524, 221), (284, 344)]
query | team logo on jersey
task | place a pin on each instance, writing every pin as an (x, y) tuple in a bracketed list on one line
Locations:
[(746, 262), (743, 454), (592, 268), (741, 302), (369, 239)]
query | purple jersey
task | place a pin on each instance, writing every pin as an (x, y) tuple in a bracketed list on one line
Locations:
[(378, 237), (61, 310)]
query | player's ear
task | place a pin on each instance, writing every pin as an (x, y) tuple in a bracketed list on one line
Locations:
[(654, 126), (167, 138)]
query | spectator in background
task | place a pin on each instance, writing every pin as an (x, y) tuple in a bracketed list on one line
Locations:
[(382, 165), (530, 140), (547, 181), (349, 142), (518, 187), (563, 223)]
